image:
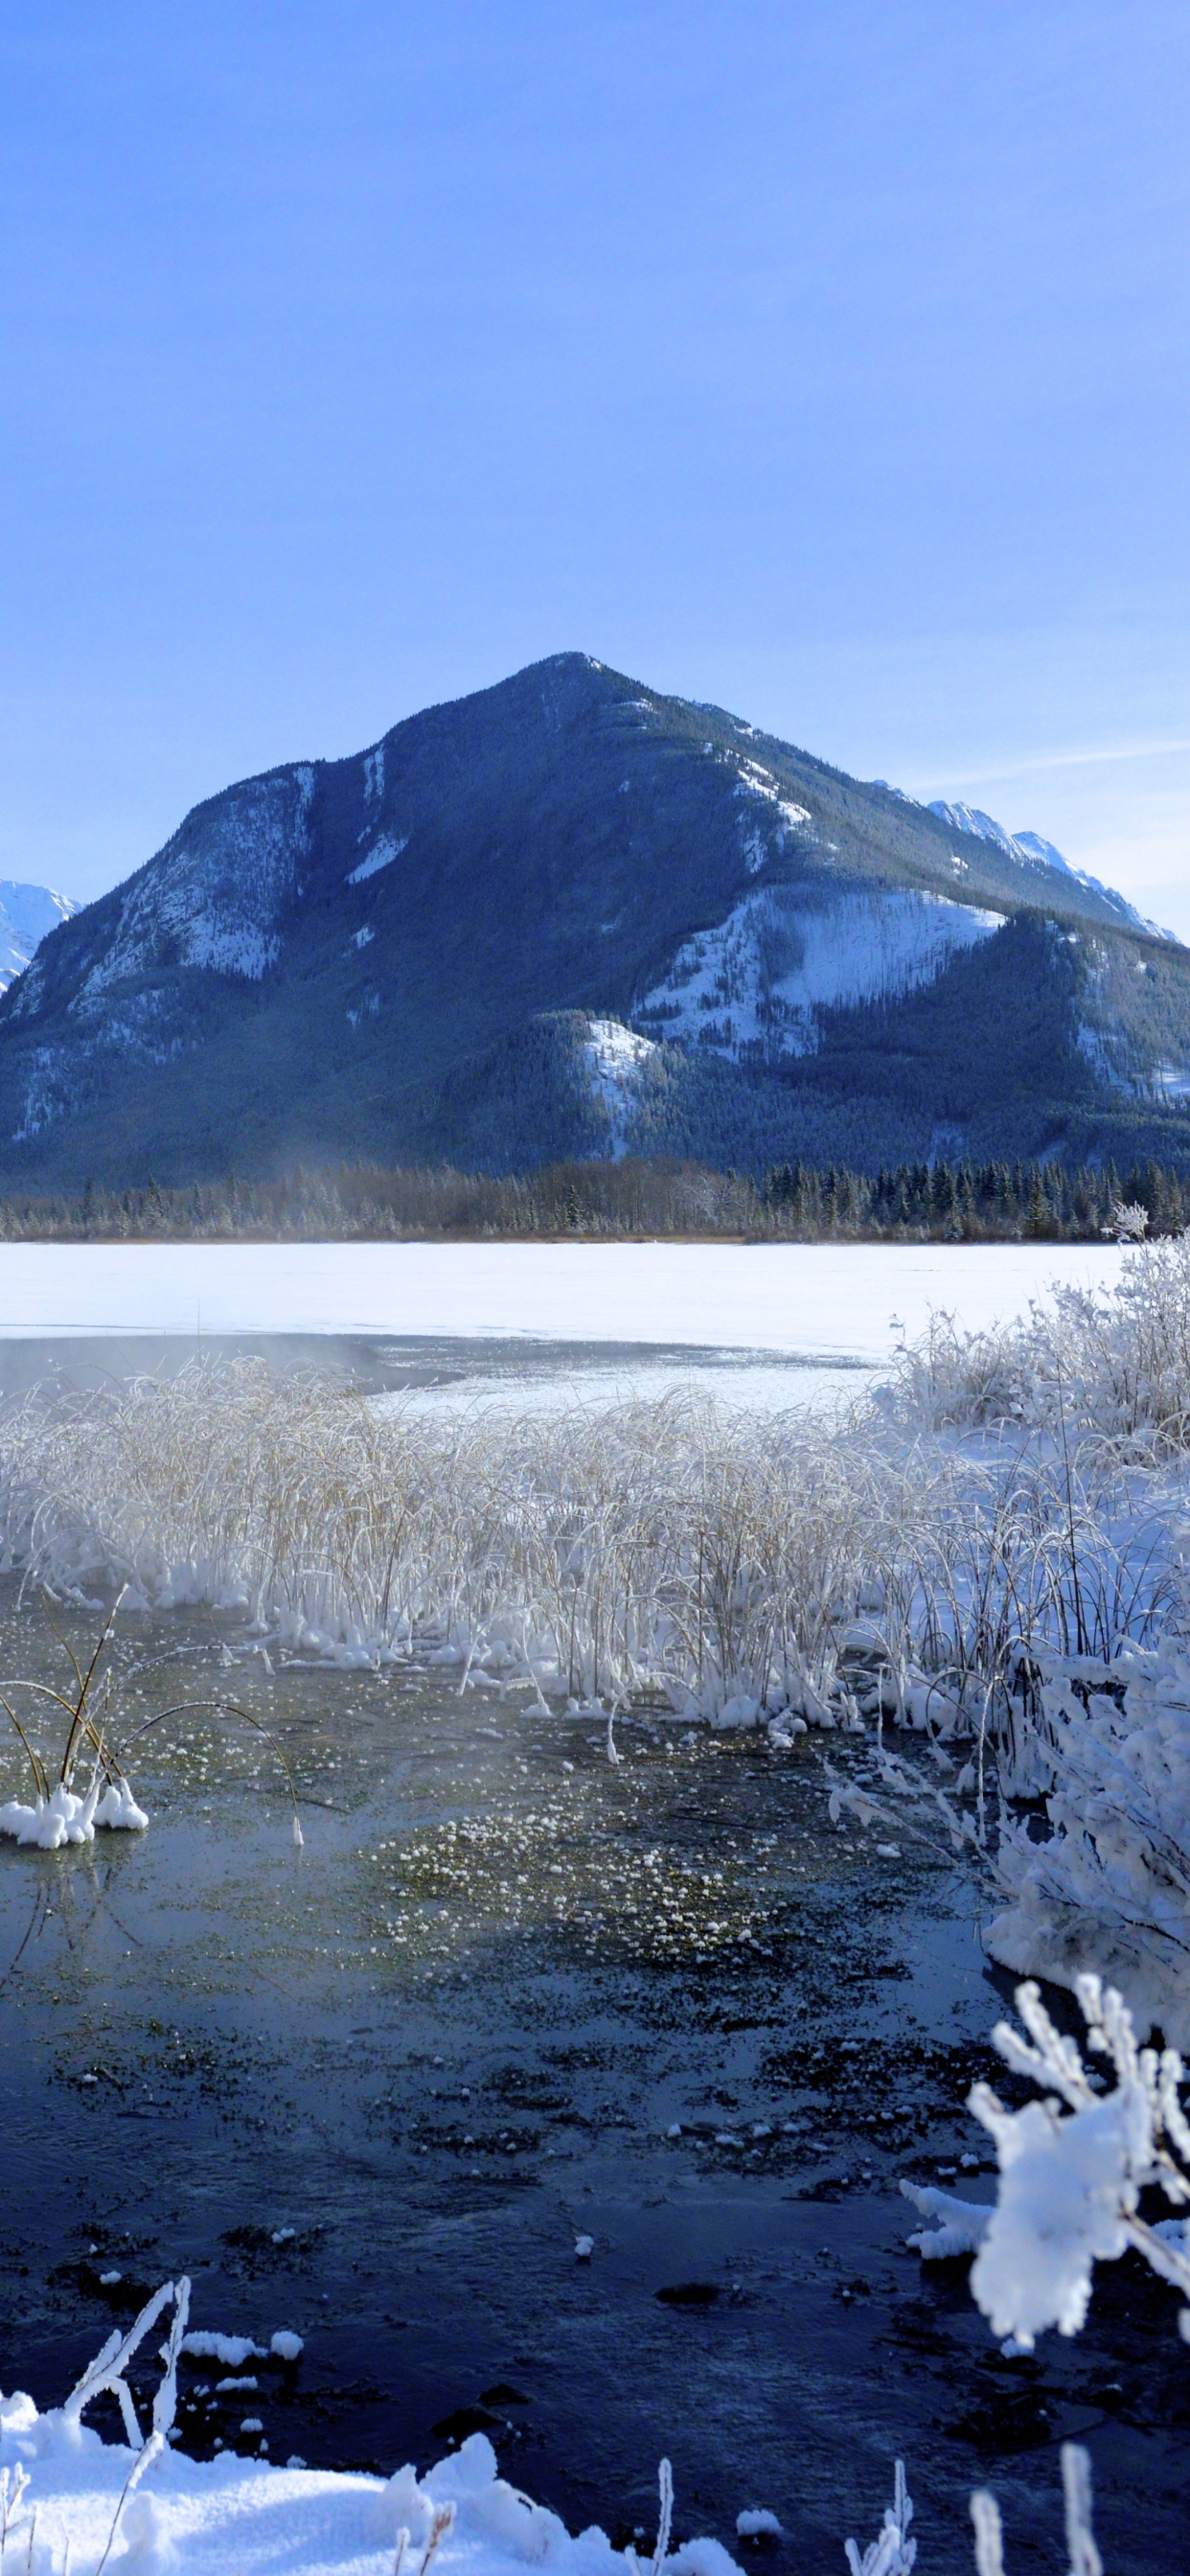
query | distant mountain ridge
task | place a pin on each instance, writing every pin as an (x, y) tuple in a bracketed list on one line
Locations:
[(27, 915), (1029, 847), (569, 914)]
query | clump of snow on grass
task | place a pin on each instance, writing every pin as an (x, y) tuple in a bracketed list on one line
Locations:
[(65, 1817), (231, 2350), (963, 2224), (755, 2520)]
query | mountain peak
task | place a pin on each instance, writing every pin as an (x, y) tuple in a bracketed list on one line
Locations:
[(569, 888)]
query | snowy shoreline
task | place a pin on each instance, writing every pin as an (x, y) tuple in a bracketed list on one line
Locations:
[(149, 2507), (243, 2517)]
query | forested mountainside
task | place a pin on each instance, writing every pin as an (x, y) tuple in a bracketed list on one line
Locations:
[(570, 916)]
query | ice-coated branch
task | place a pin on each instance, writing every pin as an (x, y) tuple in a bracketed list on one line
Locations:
[(106, 2372), (1080, 2538), (989, 2534), (665, 2482), (13, 2485), (1070, 2186), (893, 2553)]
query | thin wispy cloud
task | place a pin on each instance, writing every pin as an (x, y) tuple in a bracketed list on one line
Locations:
[(1042, 761)]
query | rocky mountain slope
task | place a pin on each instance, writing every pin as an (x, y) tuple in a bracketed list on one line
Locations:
[(569, 914)]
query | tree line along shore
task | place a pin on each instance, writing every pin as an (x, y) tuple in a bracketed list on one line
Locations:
[(931, 1202)]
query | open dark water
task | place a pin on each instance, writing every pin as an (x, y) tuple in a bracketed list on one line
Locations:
[(374, 2089)]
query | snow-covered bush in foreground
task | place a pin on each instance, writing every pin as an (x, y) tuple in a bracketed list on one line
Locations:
[(1073, 2166), (1070, 2184)]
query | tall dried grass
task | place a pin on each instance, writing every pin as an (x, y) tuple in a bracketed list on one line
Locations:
[(726, 1561)]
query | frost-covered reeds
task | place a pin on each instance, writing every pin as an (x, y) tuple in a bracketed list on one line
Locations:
[(738, 1565), (993, 1553), (64, 1807), (1111, 1363)]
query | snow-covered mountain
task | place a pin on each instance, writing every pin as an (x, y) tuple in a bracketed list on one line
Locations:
[(1033, 852), (569, 914), (27, 914)]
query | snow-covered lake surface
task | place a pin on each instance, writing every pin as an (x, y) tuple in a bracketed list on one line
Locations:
[(812, 1301)]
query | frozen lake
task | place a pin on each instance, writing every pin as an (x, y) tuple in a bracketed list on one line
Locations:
[(809, 1303)]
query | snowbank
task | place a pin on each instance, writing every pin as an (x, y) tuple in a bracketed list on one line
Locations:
[(69, 2499), (242, 2515)]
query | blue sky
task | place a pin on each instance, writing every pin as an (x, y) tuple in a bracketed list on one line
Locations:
[(825, 359)]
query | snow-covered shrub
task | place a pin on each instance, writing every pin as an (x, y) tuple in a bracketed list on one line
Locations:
[(1072, 2167), (1112, 1878), (1115, 1363), (1070, 2179)]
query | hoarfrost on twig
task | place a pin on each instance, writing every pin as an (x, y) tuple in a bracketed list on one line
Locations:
[(894, 2553), (1070, 2186)]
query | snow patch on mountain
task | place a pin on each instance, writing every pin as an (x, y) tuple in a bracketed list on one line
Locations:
[(759, 783), (614, 1055), (754, 987), (27, 914), (216, 895), (381, 855)]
